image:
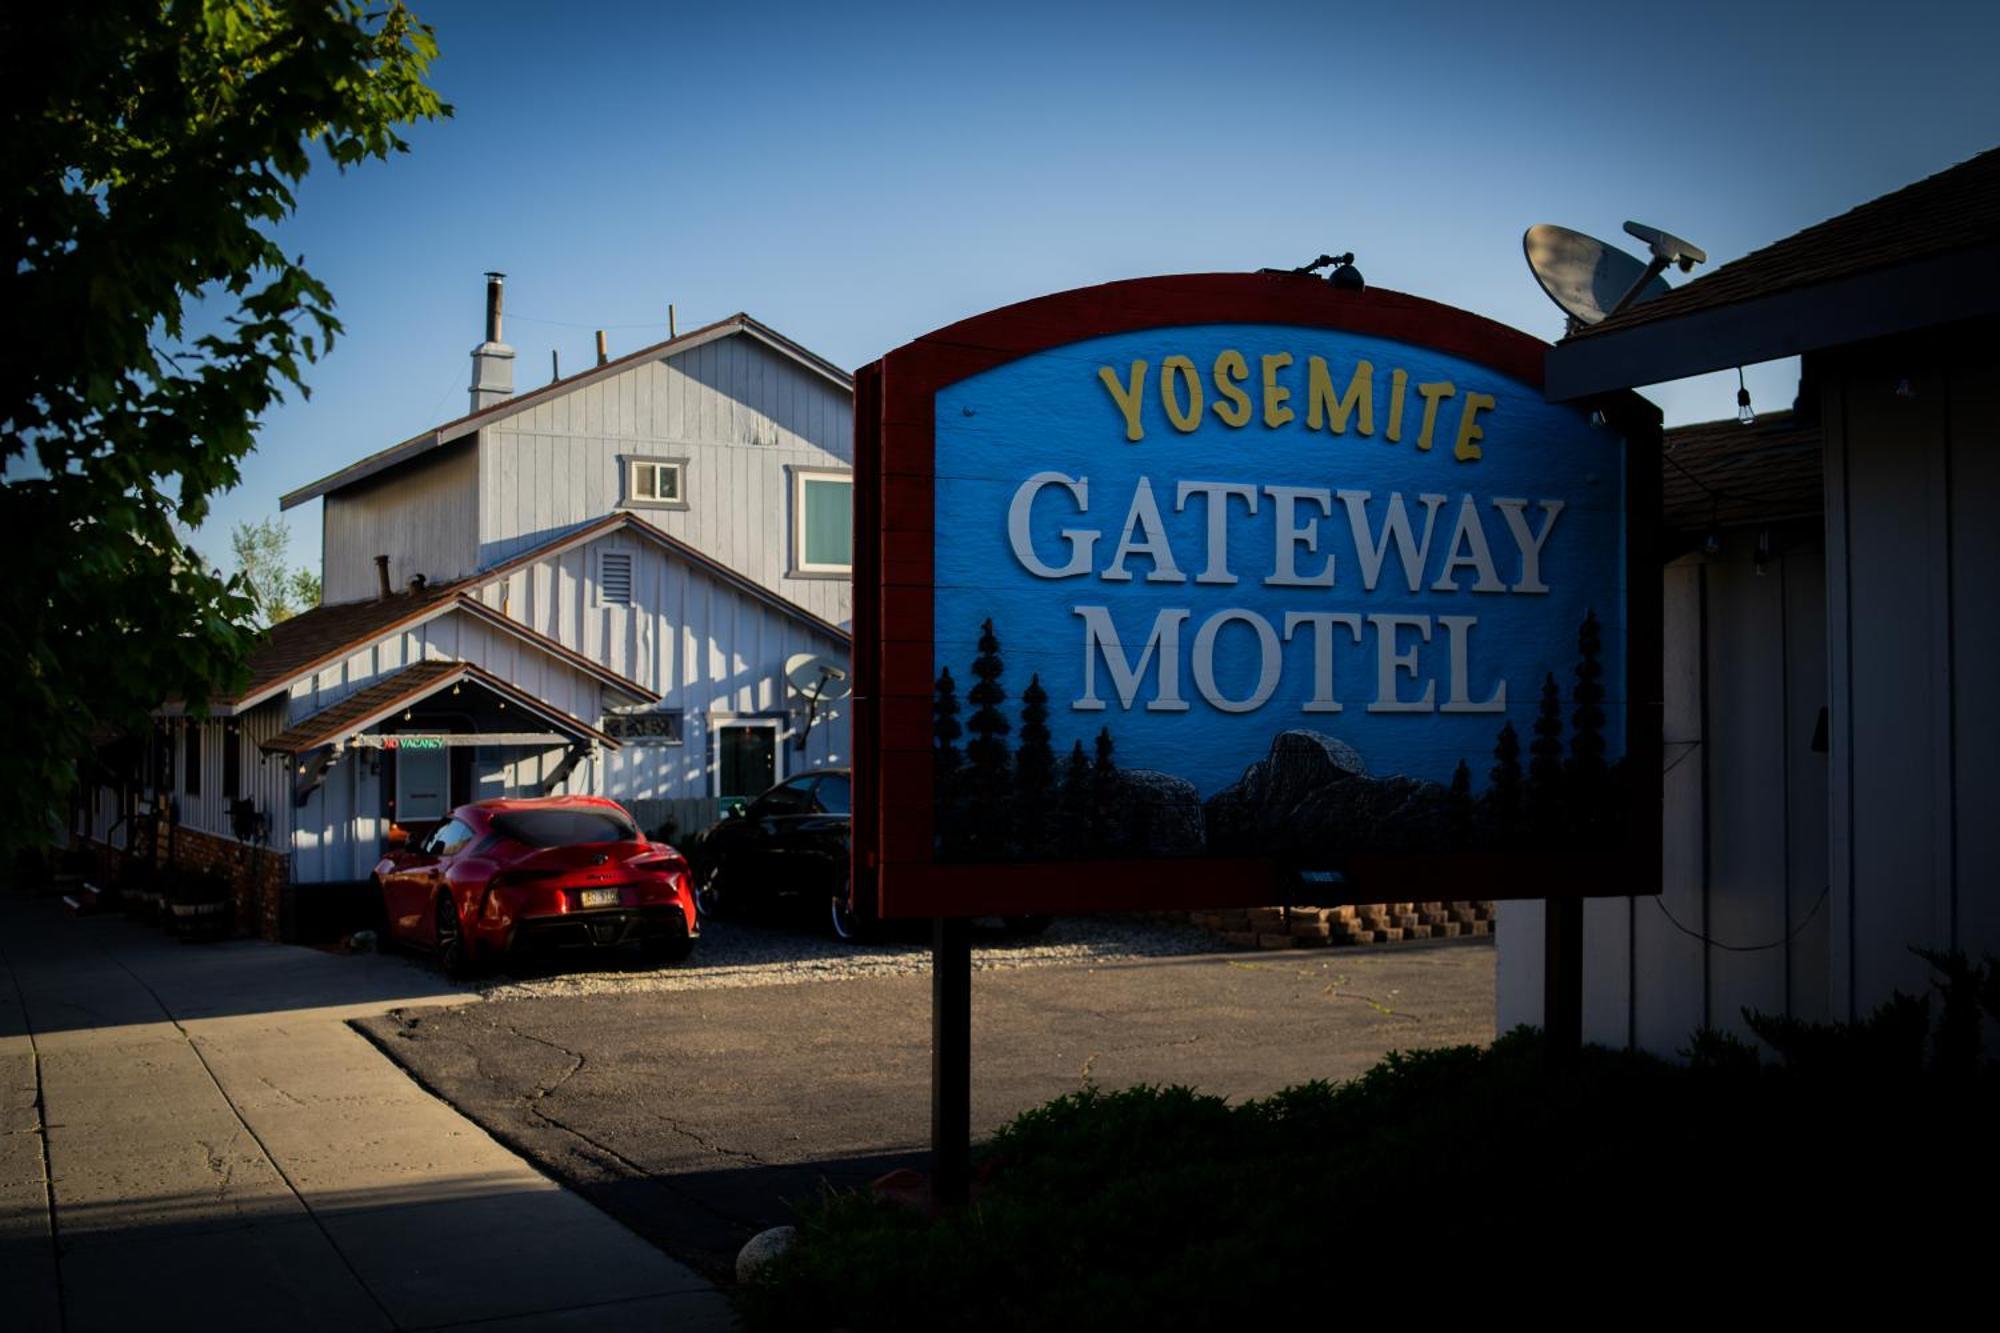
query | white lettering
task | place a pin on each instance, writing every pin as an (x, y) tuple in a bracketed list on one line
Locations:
[(1457, 630), (1269, 661), (1469, 535), (1395, 528), (1217, 494), (1291, 536), (1388, 661), (1145, 513), (1322, 623), (1100, 635), (1531, 547), (1081, 540)]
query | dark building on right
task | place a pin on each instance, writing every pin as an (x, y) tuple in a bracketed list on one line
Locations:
[(1832, 635)]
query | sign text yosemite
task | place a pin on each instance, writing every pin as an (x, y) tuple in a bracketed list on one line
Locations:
[(1264, 588)]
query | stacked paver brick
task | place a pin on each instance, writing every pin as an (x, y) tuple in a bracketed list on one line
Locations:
[(1318, 927)]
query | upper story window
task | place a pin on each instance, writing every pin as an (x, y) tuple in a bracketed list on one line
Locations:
[(822, 522), (654, 483)]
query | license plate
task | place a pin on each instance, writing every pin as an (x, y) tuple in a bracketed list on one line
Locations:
[(599, 897)]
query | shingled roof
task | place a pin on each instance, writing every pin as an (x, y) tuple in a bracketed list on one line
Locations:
[(1925, 256), (398, 690), (1720, 474), (1956, 209), (736, 325), (322, 636)]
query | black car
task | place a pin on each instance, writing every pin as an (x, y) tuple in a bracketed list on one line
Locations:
[(791, 847), (788, 847)]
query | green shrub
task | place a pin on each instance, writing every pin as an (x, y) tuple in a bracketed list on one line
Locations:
[(1165, 1208)]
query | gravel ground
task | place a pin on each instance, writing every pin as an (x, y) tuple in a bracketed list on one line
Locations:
[(734, 954)]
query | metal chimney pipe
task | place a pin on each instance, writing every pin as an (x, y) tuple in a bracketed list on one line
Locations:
[(603, 351), (555, 366), (382, 576), (493, 285), (670, 320)]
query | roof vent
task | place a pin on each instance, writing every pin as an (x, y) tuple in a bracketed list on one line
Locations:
[(614, 579)]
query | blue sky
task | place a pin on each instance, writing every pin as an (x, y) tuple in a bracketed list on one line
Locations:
[(856, 175)]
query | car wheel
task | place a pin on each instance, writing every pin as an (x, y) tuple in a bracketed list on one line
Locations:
[(850, 926), (454, 956), (666, 949), (1027, 925), (707, 891)]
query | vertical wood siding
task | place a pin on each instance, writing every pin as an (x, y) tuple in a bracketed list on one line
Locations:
[(706, 648), (740, 413), (1911, 489), (266, 781), (1745, 677), (423, 515)]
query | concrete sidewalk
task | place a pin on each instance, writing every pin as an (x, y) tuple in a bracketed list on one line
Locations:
[(192, 1137)]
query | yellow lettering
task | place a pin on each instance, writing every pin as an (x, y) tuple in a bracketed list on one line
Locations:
[(1189, 418), (1231, 370), (1468, 428), (1323, 406), (1397, 383), (1432, 394), (1126, 397), (1276, 413)]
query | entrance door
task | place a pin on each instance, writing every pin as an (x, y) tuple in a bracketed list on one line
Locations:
[(423, 786), (746, 758)]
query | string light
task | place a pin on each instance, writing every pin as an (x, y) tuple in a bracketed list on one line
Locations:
[(1744, 413)]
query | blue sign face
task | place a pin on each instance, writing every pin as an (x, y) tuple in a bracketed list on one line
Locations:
[(1196, 540)]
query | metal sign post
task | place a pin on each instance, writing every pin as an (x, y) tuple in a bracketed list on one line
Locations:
[(951, 1059)]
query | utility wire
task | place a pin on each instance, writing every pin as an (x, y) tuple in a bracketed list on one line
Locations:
[(1747, 948)]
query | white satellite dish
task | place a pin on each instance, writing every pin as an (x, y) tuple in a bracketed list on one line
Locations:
[(1587, 278), (818, 679)]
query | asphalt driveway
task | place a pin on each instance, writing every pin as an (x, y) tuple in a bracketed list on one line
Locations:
[(696, 1116)]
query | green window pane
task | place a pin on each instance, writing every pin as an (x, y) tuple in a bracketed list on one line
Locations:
[(829, 522)]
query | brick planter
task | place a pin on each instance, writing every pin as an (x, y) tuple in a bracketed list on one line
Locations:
[(258, 876)]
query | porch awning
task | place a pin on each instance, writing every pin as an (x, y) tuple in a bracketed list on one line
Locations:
[(388, 696)]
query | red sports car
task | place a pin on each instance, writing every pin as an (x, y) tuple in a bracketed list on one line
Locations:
[(507, 876)]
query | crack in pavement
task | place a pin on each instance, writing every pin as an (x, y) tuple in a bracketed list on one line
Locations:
[(682, 1130)]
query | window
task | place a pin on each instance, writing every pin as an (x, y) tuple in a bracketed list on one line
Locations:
[(449, 837), (834, 795), (746, 757), (790, 798), (655, 483), (614, 578), (822, 522), (163, 758), (232, 761), (564, 828), (191, 770)]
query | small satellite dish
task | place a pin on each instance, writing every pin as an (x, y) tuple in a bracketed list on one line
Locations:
[(818, 679), (1587, 278)]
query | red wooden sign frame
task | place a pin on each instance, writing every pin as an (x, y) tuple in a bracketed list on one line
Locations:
[(894, 658)]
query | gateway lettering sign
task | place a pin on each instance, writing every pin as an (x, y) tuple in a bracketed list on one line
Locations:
[(1294, 582)]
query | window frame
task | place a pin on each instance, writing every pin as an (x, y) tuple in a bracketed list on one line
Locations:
[(717, 724), (628, 467), (193, 733), (802, 568)]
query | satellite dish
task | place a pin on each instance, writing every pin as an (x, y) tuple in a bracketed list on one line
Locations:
[(818, 679), (1587, 278)]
